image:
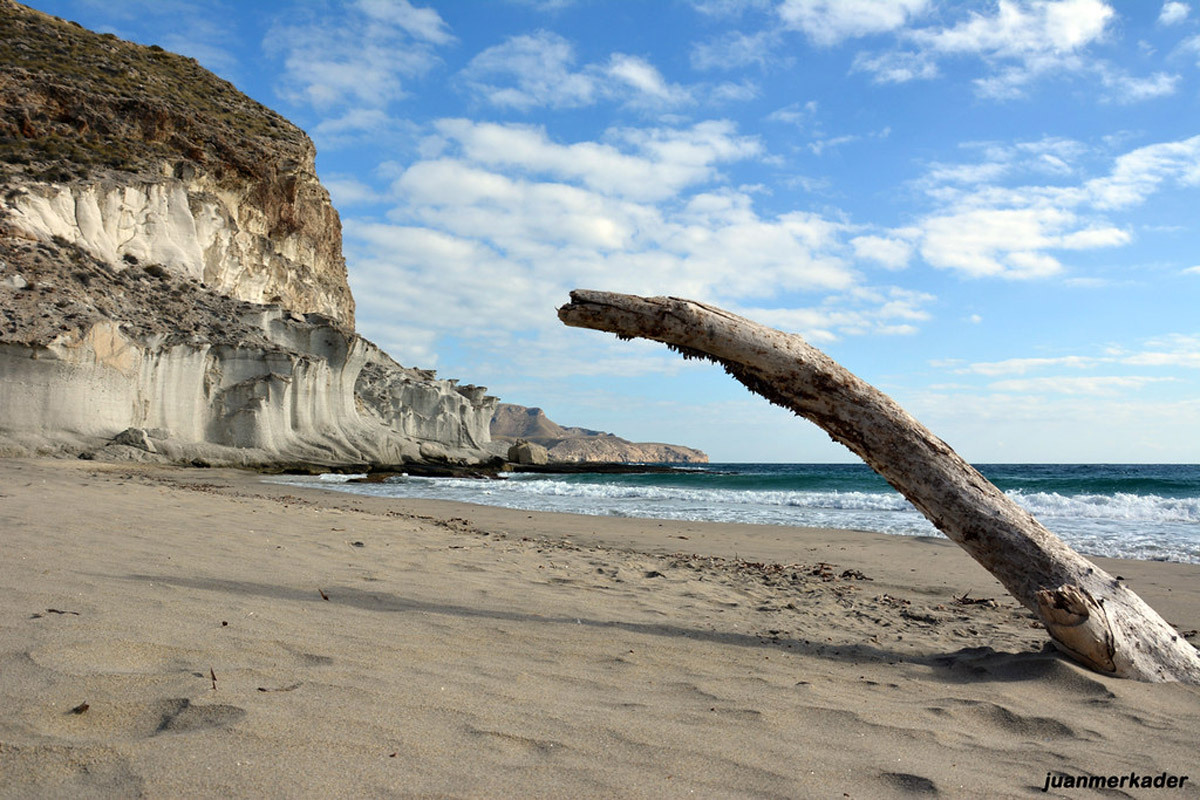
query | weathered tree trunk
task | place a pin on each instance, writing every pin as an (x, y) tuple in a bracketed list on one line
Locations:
[(1088, 613)]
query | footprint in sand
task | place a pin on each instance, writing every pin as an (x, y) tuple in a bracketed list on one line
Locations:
[(105, 721), (304, 658), (909, 783), (984, 714), (512, 744), (182, 716)]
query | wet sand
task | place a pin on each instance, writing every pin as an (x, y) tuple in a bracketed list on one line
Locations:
[(169, 633)]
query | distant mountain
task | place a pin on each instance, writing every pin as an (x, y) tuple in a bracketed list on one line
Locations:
[(511, 422)]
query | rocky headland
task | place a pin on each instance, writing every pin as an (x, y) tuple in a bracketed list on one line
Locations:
[(572, 445), (172, 281), (172, 285)]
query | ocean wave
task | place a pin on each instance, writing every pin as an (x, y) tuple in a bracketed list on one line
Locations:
[(1121, 525), (1119, 506), (715, 497)]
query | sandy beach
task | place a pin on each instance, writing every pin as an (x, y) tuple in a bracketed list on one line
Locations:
[(202, 633)]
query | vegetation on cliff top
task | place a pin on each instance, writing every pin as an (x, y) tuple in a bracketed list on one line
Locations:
[(73, 101)]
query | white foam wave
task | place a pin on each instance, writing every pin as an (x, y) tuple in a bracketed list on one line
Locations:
[(1126, 507), (338, 477), (1122, 525), (724, 497)]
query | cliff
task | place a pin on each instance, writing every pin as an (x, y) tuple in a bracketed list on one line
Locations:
[(138, 155), (575, 445), (170, 264)]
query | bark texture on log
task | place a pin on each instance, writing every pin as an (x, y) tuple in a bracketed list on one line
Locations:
[(1088, 613)]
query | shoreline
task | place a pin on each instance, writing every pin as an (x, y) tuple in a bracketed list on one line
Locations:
[(472, 651), (1114, 526), (1170, 587)]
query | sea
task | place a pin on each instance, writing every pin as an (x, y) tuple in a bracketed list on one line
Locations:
[(1142, 511)]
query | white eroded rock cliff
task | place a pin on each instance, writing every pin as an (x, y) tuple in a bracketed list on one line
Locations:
[(303, 393), (171, 276), (198, 229)]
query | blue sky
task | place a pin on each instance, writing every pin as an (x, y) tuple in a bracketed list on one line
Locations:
[(987, 209)]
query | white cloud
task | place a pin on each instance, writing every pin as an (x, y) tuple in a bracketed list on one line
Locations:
[(517, 216), (714, 247), (729, 8), (828, 22), (355, 125), (735, 50), (1004, 242), (1192, 270), (1009, 242), (1034, 38), (663, 162), (1141, 172), (896, 66), (796, 114), (1020, 41), (1191, 46), (646, 81), (423, 24), (545, 6), (1190, 360), (1020, 366), (1049, 155), (634, 214), (1124, 88), (941, 175), (1098, 386), (1173, 13), (1092, 238), (890, 252), (540, 66), (984, 228), (539, 70), (820, 145), (347, 191), (363, 59), (1174, 350), (730, 92), (1036, 32), (882, 312), (1088, 283), (1171, 351)]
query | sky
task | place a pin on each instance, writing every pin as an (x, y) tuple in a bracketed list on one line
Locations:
[(987, 209)]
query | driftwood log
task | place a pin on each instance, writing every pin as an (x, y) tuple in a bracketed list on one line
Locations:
[(1088, 613)]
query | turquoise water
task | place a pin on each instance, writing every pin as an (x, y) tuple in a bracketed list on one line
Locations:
[(1146, 511)]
